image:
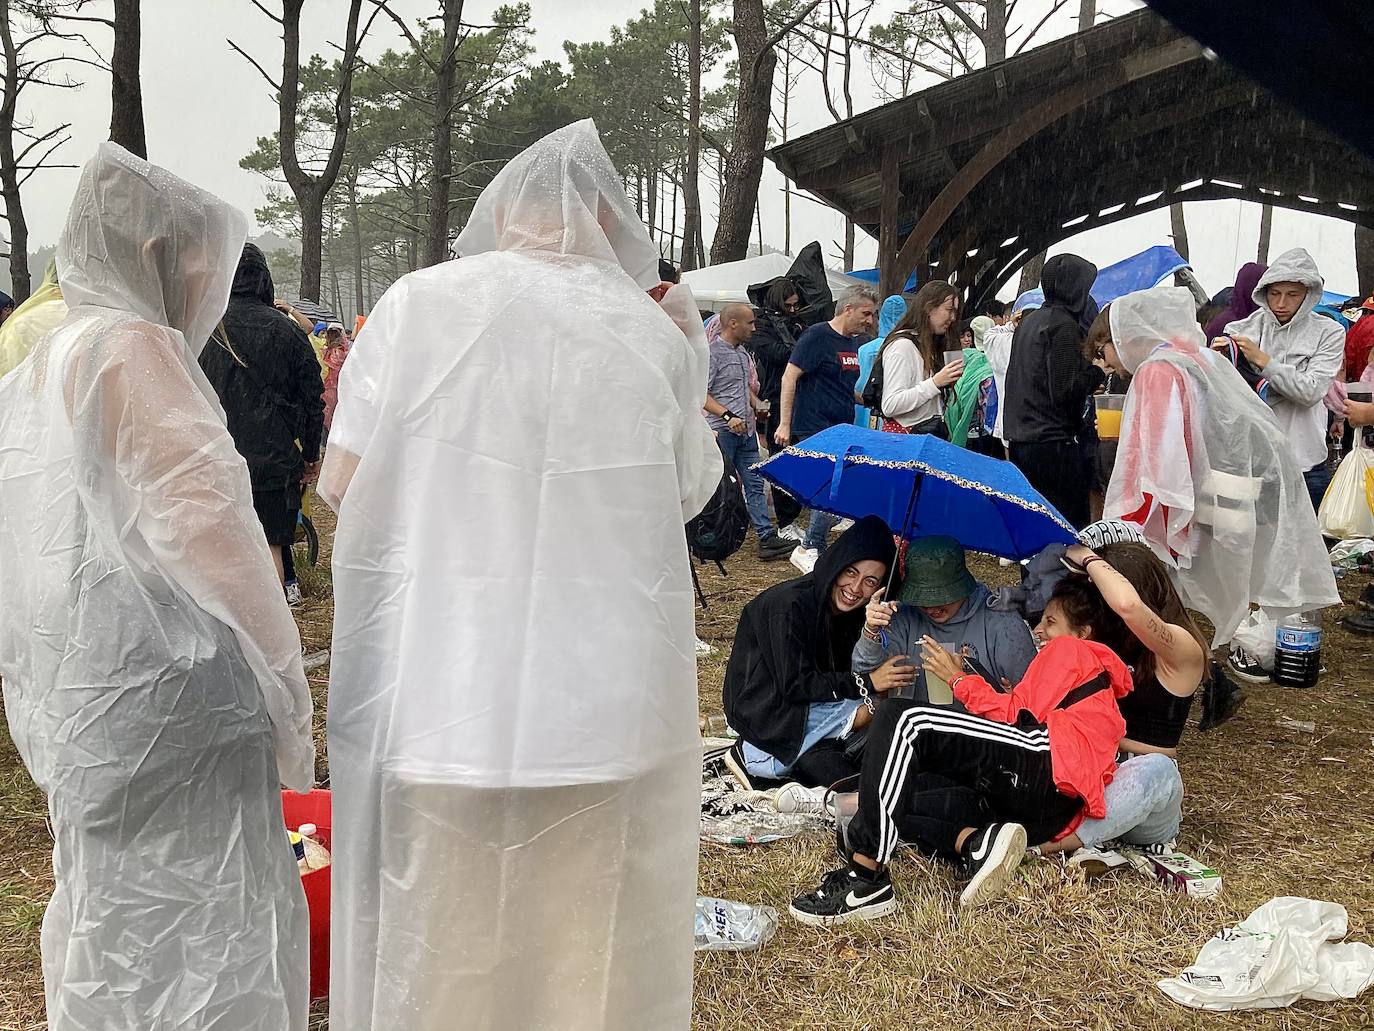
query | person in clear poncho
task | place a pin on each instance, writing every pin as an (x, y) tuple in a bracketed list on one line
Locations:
[(513, 705), (32, 320), (152, 673), (1206, 473)]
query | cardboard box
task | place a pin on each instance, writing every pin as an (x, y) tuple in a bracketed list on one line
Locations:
[(1185, 874)]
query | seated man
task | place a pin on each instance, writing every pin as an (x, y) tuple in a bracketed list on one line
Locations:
[(942, 600), (788, 687)]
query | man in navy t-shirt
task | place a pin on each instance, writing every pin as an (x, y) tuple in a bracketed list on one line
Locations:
[(818, 390)]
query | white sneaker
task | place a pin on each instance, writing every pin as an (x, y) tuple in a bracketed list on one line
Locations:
[(793, 798), (293, 594), (792, 532), (842, 526), (1094, 862), (704, 649), (804, 558)]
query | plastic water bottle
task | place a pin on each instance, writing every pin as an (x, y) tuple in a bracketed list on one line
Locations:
[(1297, 652)]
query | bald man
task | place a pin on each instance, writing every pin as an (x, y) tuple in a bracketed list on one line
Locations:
[(731, 408)]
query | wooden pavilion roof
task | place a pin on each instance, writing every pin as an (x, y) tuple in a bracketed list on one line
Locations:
[(969, 178)]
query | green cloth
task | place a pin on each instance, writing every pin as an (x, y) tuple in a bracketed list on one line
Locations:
[(960, 411)]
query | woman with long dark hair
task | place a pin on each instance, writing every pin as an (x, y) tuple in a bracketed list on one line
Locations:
[(912, 359)]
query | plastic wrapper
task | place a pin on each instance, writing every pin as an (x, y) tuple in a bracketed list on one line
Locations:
[(513, 737), (152, 671), (1347, 509), (723, 926), (1287, 949)]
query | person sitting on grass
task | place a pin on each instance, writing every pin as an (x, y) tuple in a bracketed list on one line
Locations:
[(788, 690), (1037, 758), (942, 600), (1124, 598)]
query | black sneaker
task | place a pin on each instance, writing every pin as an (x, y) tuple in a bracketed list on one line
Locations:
[(734, 762), (991, 857), (846, 895), (1220, 699), (1366, 600), (1247, 667), (774, 548), (1360, 621)]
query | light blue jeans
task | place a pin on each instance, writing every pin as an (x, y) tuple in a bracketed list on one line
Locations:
[(823, 720), (1144, 804), (819, 530)]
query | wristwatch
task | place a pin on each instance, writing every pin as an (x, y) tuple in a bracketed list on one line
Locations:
[(728, 415)]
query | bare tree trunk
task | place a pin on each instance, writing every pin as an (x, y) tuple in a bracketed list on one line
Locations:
[(441, 160), (310, 190), (1179, 228), (744, 169), (1087, 14), (758, 215), (20, 282), (1364, 261), (1030, 273), (995, 32), (1266, 231), (848, 245), (357, 237), (691, 176), (126, 89)]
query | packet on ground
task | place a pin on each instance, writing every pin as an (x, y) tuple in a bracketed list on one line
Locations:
[(723, 926), (1287, 949), (1180, 873)]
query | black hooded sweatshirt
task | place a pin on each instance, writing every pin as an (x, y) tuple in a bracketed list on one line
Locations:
[(1049, 380), (272, 393), (791, 649), (776, 332)]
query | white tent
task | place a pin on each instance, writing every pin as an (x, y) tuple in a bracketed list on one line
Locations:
[(718, 285)]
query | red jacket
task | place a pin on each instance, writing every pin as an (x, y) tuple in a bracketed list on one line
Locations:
[(1085, 733)]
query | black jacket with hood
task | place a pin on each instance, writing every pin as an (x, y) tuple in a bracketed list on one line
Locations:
[(776, 332), (268, 380), (1049, 380), (792, 650)]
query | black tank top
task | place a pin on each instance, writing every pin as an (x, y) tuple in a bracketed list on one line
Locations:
[(1154, 715)]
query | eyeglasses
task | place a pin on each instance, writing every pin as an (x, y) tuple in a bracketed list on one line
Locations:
[(790, 305)]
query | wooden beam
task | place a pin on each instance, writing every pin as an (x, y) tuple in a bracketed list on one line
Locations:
[(890, 211)]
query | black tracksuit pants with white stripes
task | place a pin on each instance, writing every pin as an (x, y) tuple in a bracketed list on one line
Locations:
[(1008, 767)]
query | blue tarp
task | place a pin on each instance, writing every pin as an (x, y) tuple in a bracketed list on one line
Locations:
[(1138, 272), (870, 275)]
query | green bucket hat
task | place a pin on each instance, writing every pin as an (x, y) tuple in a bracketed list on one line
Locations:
[(935, 573)]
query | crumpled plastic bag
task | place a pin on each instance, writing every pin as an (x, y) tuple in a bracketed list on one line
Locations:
[(1346, 555), (1256, 635), (1347, 509), (1287, 949), (723, 926)]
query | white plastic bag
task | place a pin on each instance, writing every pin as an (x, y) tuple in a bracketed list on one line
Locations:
[(1347, 510), (1256, 636), (1288, 949)]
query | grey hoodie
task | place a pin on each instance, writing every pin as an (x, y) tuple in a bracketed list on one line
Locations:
[(1000, 642), (1305, 356)]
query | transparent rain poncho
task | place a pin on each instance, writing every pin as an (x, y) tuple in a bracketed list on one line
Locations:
[(513, 738), (152, 674), (1204, 469), (31, 321)]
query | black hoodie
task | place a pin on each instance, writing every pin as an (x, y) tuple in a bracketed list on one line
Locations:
[(776, 332), (1049, 380), (272, 392), (792, 650)]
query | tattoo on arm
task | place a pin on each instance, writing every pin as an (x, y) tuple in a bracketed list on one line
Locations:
[(1160, 629)]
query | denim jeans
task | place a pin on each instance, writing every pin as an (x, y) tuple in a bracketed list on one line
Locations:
[(824, 720), (1144, 804), (819, 529), (1318, 478), (742, 451)]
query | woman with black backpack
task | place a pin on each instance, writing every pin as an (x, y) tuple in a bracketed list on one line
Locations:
[(909, 372)]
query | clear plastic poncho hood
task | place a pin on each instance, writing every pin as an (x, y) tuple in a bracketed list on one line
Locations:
[(152, 673), (512, 714), (1204, 469)]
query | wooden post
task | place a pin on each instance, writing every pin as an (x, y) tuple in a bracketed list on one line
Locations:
[(891, 277)]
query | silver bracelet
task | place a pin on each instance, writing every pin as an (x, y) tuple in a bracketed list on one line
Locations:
[(864, 696)]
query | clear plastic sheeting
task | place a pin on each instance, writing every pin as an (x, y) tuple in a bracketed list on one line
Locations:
[(31, 321), (723, 926), (151, 668), (513, 707), (1205, 471)]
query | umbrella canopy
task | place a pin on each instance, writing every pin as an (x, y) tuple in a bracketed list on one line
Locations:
[(921, 486), (314, 310)]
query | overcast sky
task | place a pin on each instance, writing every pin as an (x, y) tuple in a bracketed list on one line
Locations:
[(205, 108)]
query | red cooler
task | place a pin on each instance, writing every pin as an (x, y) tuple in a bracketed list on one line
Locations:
[(314, 808)]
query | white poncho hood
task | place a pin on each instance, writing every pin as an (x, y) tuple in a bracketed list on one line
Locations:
[(1204, 470)]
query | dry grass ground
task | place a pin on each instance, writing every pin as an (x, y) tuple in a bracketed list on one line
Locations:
[(1277, 812)]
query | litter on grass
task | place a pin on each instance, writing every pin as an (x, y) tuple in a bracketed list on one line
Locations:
[(723, 926)]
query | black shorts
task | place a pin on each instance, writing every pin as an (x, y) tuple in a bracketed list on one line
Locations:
[(278, 509)]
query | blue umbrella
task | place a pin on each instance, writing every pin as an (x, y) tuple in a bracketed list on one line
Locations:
[(920, 486)]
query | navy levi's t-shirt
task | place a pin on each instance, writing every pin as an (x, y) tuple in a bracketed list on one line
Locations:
[(825, 393)]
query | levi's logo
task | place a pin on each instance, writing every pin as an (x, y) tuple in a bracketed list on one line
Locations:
[(849, 360)]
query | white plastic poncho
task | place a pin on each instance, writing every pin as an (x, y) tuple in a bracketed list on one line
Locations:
[(149, 660), (513, 736), (1204, 469)]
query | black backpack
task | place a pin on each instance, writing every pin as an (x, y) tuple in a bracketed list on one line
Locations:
[(873, 389), (720, 529)]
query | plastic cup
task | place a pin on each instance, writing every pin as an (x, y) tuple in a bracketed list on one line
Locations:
[(953, 356), (1109, 415)]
